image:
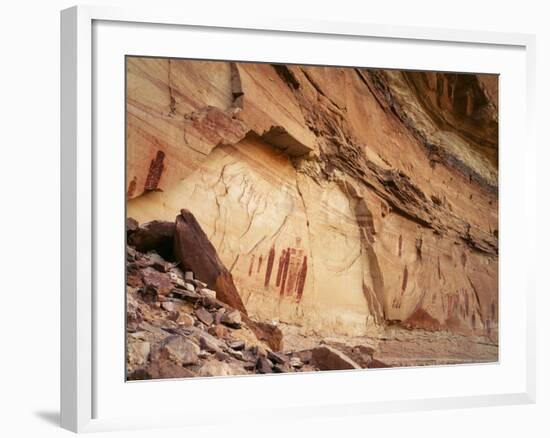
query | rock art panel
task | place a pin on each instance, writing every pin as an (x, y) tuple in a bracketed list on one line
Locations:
[(345, 201)]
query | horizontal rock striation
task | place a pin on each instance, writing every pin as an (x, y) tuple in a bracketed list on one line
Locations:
[(343, 200)]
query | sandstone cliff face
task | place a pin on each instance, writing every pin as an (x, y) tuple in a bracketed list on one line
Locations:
[(343, 200)]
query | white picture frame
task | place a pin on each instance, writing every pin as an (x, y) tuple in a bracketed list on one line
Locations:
[(85, 401)]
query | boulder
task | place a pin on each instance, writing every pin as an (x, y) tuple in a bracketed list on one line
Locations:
[(204, 316), (138, 353), (266, 332), (208, 293), (148, 294), (131, 226), (185, 319), (157, 280), (232, 319), (195, 252), (155, 235), (329, 358), (264, 365), (209, 343), (181, 350), (218, 330), (169, 306), (277, 358), (237, 345), (184, 294), (214, 367)]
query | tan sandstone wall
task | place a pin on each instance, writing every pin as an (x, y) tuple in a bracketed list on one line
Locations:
[(340, 199)]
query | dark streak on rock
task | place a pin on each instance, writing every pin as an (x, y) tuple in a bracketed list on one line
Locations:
[(293, 270), (280, 268), (155, 172), (286, 75), (251, 265), (301, 280), (261, 259), (405, 279), (270, 260), (285, 271)]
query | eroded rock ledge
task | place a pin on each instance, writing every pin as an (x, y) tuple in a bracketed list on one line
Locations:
[(342, 200)]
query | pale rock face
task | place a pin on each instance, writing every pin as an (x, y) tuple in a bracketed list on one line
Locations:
[(327, 209)]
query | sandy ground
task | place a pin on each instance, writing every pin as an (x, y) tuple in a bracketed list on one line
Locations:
[(398, 347)]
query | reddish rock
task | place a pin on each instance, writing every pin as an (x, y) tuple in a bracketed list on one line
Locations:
[(157, 280), (204, 316), (196, 253), (265, 332), (329, 358), (131, 226), (154, 235)]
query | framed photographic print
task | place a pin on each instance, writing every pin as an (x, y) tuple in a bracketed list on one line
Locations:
[(273, 207)]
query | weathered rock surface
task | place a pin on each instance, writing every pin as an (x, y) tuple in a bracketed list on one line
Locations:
[(343, 200), (329, 358), (195, 252)]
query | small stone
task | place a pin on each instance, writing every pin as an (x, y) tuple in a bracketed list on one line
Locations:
[(220, 355), (304, 356), (211, 303), (218, 316), (249, 356), (185, 320), (189, 287), (169, 306), (218, 331), (138, 352), (177, 280), (258, 350), (232, 319), (185, 294), (215, 368), (159, 280), (181, 350), (276, 357), (263, 365), (200, 284), (158, 262), (188, 275), (204, 316), (148, 294), (236, 354), (281, 369), (208, 293), (173, 316), (295, 362), (131, 225), (131, 253), (209, 343), (237, 345)]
